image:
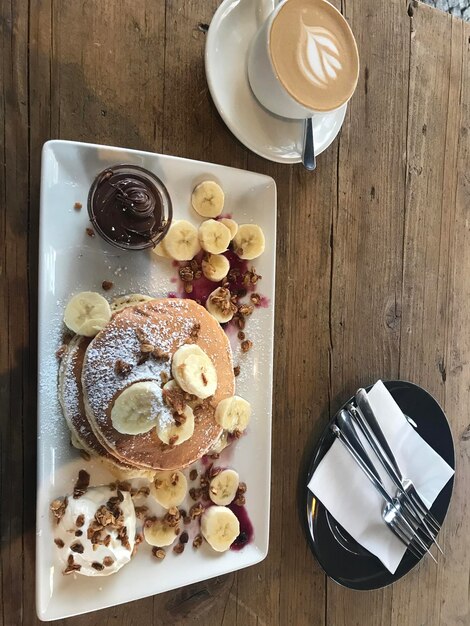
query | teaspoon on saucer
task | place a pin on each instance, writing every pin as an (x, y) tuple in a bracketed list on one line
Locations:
[(308, 150)]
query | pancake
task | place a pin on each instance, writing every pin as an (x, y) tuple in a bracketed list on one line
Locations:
[(166, 324), (71, 400), (70, 397)]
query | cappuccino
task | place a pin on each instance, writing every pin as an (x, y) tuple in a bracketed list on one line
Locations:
[(314, 54)]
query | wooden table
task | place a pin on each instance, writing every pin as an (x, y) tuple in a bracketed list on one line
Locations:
[(373, 270)]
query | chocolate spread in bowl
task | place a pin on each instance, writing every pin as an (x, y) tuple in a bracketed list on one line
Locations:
[(129, 207)]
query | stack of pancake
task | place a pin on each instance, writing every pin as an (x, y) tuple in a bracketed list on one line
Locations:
[(94, 371)]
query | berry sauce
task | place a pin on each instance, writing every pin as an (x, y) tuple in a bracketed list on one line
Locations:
[(203, 287), (246, 527)]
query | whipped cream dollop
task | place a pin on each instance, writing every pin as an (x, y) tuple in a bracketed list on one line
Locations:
[(318, 55), (95, 533)]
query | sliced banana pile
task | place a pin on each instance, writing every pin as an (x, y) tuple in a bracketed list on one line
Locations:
[(194, 371), (141, 406), (233, 414), (220, 527), (183, 240), (87, 313), (135, 411), (169, 488), (223, 487)]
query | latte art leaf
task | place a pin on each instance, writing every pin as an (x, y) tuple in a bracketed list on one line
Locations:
[(318, 55)]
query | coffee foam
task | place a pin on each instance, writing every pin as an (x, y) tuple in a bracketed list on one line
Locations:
[(314, 54)]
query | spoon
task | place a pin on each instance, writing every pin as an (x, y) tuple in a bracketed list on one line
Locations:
[(308, 149)]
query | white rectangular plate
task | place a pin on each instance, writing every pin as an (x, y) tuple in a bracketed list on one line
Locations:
[(70, 261)]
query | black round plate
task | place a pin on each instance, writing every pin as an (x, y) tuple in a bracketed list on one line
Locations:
[(340, 556)]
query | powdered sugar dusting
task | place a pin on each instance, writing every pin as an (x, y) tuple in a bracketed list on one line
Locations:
[(70, 391), (102, 382), (52, 422)]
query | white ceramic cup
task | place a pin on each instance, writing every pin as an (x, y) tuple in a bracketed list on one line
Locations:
[(264, 81)]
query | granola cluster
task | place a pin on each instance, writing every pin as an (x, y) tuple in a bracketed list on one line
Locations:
[(177, 399), (188, 273), (224, 301), (58, 507), (82, 484), (202, 408), (147, 349), (108, 517)]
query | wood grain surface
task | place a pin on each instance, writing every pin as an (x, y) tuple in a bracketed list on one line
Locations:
[(373, 271)]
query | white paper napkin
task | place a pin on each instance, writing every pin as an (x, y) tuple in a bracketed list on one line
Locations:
[(342, 487)]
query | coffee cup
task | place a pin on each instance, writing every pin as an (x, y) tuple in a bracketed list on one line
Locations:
[(303, 59)]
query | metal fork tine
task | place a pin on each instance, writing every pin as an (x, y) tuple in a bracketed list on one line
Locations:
[(402, 537), (390, 518), (425, 511), (411, 530), (419, 525), (412, 539)]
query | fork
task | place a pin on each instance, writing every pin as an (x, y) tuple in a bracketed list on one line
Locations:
[(408, 493), (416, 518), (398, 523)]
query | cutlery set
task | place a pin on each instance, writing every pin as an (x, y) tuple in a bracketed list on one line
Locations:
[(404, 512)]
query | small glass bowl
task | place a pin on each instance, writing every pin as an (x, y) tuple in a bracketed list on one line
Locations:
[(154, 183)]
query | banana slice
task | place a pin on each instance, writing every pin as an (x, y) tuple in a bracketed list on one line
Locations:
[(170, 488), (233, 414), (135, 410), (220, 527), (223, 487), (231, 225), (220, 305), (181, 241), (194, 371), (214, 237), (160, 250), (208, 199), (87, 313), (160, 534), (249, 242), (172, 431), (215, 267)]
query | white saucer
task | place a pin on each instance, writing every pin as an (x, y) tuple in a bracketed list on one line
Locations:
[(278, 139)]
